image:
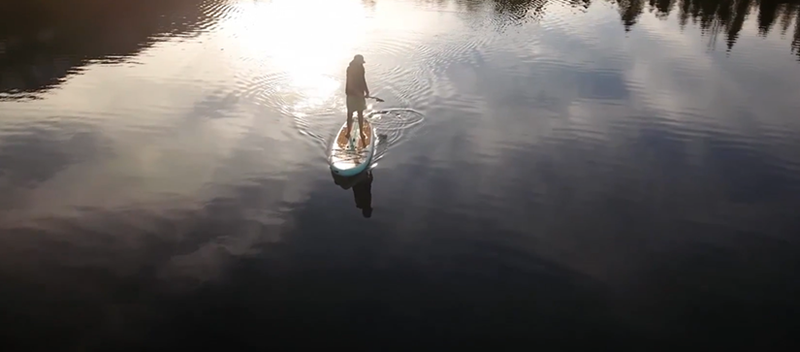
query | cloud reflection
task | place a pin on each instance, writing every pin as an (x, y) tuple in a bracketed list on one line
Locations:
[(569, 178)]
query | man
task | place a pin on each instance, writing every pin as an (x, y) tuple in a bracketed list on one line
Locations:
[(357, 93)]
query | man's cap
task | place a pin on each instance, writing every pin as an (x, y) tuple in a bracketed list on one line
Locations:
[(359, 58)]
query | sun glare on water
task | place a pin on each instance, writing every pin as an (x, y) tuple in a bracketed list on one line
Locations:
[(308, 43)]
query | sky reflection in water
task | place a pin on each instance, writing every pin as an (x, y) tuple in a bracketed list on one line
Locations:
[(571, 169)]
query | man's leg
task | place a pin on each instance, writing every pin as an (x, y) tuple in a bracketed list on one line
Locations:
[(349, 124), (361, 127)]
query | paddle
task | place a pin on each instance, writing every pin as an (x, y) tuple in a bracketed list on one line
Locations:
[(376, 99)]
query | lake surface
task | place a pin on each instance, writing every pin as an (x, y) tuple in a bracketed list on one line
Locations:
[(576, 172)]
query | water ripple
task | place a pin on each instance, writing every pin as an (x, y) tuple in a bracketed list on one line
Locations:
[(606, 148), (413, 86), (213, 12), (394, 126), (264, 90)]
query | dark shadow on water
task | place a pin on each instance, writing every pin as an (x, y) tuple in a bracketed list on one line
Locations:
[(361, 185)]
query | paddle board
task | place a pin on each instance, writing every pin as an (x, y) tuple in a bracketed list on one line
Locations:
[(350, 157)]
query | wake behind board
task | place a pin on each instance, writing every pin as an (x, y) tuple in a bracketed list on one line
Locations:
[(349, 158)]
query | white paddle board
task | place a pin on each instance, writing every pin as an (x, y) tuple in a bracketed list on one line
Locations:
[(350, 157)]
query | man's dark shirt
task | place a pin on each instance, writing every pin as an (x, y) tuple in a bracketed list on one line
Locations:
[(356, 82)]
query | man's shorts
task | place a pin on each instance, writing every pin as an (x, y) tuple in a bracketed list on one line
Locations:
[(356, 103)]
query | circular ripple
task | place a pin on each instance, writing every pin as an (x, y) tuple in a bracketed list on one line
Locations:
[(394, 126), (413, 86), (263, 90)]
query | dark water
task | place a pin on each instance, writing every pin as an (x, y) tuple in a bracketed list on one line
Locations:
[(621, 173)]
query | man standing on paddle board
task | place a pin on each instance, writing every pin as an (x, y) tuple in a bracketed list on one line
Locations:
[(357, 93)]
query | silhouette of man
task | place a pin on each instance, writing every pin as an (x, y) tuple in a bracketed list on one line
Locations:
[(362, 189), (362, 192), (357, 93)]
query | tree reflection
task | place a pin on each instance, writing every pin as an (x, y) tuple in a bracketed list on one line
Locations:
[(727, 16), (714, 17), (519, 9), (43, 41)]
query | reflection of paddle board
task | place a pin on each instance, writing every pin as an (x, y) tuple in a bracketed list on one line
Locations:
[(347, 182), (348, 158)]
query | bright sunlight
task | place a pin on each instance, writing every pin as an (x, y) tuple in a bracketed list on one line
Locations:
[(308, 43)]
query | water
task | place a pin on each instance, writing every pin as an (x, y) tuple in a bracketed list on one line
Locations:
[(588, 172)]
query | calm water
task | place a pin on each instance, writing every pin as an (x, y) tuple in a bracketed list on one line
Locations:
[(588, 172)]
